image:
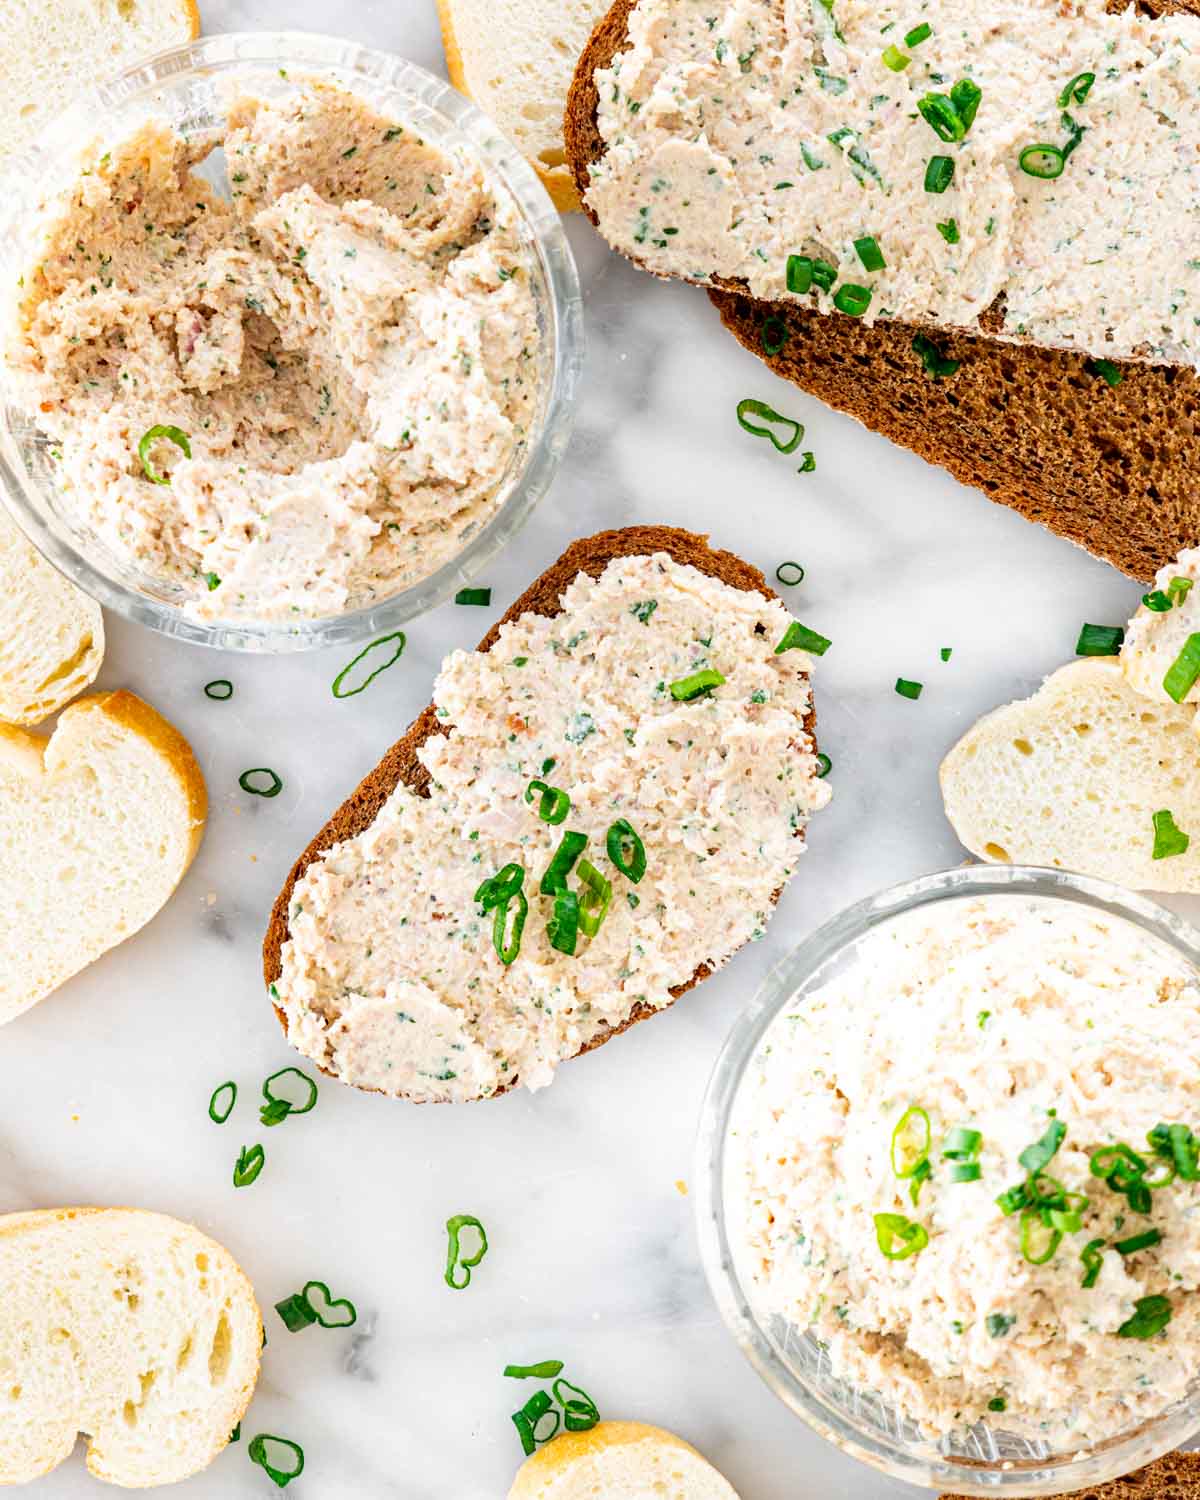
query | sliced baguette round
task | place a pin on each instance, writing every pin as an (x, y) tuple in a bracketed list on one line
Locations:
[(97, 825), (51, 633), (619, 1461), (1072, 777), (130, 1327)]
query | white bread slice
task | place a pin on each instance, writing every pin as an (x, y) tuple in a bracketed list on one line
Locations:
[(515, 59), (97, 825), (51, 49), (619, 1461), (1071, 778), (51, 633), (130, 1327)]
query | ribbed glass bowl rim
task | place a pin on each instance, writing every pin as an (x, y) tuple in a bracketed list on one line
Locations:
[(443, 117), (832, 1420)]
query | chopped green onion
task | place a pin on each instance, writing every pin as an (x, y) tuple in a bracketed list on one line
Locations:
[(257, 1453), (473, 596), (529, 1419), (272, 788), (1183, 671), (824, 765), (580, 1413), (799, 273), (941, 116), (797, 571), (570, 847), (868, 251), (1178, 1144), (546, 1370), (1168, 840), (1043, 1150), (553, 805), (455, 1259), (799, 637), (219, 689), (965, 97), (918, 34), (939, 173), (1150, 1316), (936, 363), (249, 1164), (1043, 161), (921, 1175), (1077, 90), (1039, 1241), (773, 334), (154, 435), (1100, 640), (997, 1403), (946, 652), (910, 1141), (328, 1304), (622, 835), (998, 1324), (1178, 590), (279, 1107), (1110, 373), (748, 407), (962, 1144), (215, 1113), (393, 658), (1157, 601), (562, 929), (1137, 1242), (823, 274), (500, 888), (295, 1312), (949, 231), (212, 581), (894, 59), (1012, 1199), (684, 689), (965, 1171), (908, 689), (1093, 1262), (852, 299), (595, 897), (507, 950), (899, 1237), (809, 464)]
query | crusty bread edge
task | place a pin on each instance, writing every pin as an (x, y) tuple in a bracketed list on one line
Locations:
[(193, 11), (556, 1457), (1160, 1478), (562, 192), (587, 555)]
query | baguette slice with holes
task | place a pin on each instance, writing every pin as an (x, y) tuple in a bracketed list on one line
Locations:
[(1072, 777), (621, 1461), (97, 825), (129, 1327)]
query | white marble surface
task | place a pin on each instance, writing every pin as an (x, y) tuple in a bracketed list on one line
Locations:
[(593, 1255)]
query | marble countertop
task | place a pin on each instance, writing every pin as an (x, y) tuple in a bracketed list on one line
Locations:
[(583, 1187)]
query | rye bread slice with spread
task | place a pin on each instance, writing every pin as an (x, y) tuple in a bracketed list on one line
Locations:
[(588, 555), (1108, 467), (1174, 1476)]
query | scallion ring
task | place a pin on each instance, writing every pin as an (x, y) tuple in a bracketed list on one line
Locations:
[(868, 251), (215, 1113), (798, 273), (249, 1164), (580, 1413), (562, 927), (622, 837), (507, 947), (455, 1259), (1077, 90), (1042, 160), (595, 897), (824, 765), (684, 689), (272, 788), (553, 804), (570, 847), (1150, 1316), (393, 658), (795, 569), (257, 1452), (799, 637), (940, 114), (852, 299), (219, 689), (910, 1141), (749, 407), (501, 887), (1093, 1262), (529, 1419), (965, 1171), (278, 1107), (774, 334), (157, 434), (1039, 1241), (899, 1237)]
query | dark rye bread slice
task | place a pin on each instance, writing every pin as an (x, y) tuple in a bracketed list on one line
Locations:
[(589, 555), (1111, 468), (1175, 1476)]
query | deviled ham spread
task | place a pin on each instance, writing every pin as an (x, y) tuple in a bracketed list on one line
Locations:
[(654, 709), (917, 161), (296, 401), (967, 1165)]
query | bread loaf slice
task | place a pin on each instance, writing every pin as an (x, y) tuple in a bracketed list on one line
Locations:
[(131, 1328), (621, 1461), (97, 825)]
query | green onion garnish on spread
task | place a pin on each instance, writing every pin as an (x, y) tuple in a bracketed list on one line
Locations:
[(1099, 640), (553, 804), (1178, 589), (595, 897), (684, 689), (1042, 160), (219, 689), (212, 580), (500, 887), (529, 1419), (1077, 90), (1093, 1262), (852, 299), (249, 1164), (570, 847), (962, 1144), (1150, 1316), (921, 1175), (622, 837), (455, 1259), (997, 1403), (258, 1454), (218, 1110), (505, 940), (799, 637), (918, 34), (1168, 840), (936, 363), (939, 173), (1183, 671), (899, 1237), (823, 274), (396, 639), (799, 273), (773, 334), (546, 1370), (1039, 1240), (473, 596), (562, 928), (941, 116), (868, 251), (751, 408), (908, 689), (911, 1140), (824, 765), (1137, 1242), (1157, 601), (271, 788), (1178, 1145), (794, 569), (580, 1413), (1110, 373), (1044, 1149), (965, 97), (894, 59), (949, 231), (1123, 1170), (155, 435)]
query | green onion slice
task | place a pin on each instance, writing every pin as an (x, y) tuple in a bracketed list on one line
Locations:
[(1179, 1144), (375, 646), (921, 1175), (570, 847), (894, 59), (1157, 601), (277, 1102), (595, 897), (899, 1237), (824, 766), (473, 596), (249, 1164), (1110, 373), (271, 789), (1077, 90), (965, 1171), (749, 407), (562, 928), (798, 273), (852, 299), (1137, 1242), (1150, 1316), (157, 434), (553, 805), (939, 173), (528, 1420), (296, 1312), (215, 1113), (1099, 640), (823, 274), (455, 1259), (1042, 160), (1183, 671), (942, 117), (910, 1141), (962, 1144), (501, 887), (809, 464), (684, 689), (327, 1304), (219, 689), (1093, 1262), (908, 689), (1039, 1241), (795, 570), (547, 1369), (622, 836), (1178, 589), (773, 334), (918, 34), (949, 231), (965, 97), (580, 1413), (868, 251), (1039, 1155), (1168, 839), (257, 1452), (508, 948), (799, 637)]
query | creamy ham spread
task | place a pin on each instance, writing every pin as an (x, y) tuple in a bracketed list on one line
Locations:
[(1008, 1016), (1168, 616), (348, 346), (741, 132), (390, 977)]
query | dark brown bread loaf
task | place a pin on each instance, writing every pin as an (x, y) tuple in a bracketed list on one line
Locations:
[(589, 555), (1110, 467), (1175, 1476)]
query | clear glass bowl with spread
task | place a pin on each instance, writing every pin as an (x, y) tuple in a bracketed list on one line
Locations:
[(985, 1458), (188, 86)]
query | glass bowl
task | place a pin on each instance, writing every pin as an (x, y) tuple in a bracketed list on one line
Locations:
[(985, 1459), (188, 87)]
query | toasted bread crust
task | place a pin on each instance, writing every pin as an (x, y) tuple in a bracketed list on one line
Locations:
[(133, 713), (588, 555)]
